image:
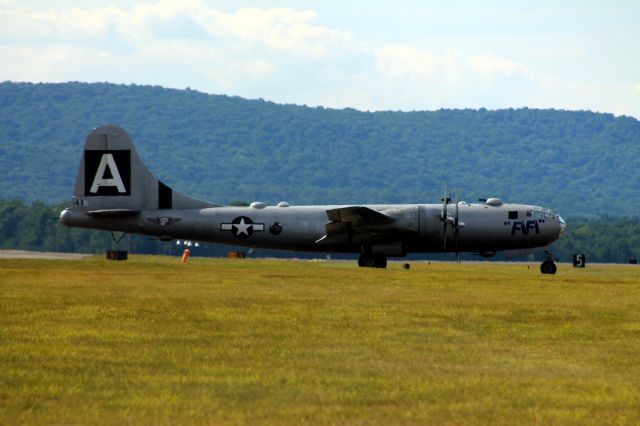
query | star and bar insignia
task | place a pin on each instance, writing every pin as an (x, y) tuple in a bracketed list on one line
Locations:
[(242, 227)]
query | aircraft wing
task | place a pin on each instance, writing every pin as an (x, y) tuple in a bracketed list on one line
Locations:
[(345, 222), (358, 216)]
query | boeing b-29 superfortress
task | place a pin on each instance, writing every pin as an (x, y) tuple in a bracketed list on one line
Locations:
[(114, 191)]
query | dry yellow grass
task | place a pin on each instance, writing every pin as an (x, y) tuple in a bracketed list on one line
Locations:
[(269, 341)]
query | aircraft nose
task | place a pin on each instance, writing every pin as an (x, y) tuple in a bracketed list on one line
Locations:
[(563, 224)]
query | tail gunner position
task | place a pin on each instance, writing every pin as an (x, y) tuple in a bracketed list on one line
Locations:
[(114, 191)]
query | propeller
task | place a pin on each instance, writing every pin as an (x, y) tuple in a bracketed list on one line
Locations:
[(456, 227), (454, 221), (444, 218)]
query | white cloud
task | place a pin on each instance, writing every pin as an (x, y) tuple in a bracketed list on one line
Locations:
[(418, 78), (278, 29), (223, 51), (281, 54), (489, 65), (405, 61), (411, 61)]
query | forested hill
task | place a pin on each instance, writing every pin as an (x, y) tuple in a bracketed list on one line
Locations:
[(222, 149)]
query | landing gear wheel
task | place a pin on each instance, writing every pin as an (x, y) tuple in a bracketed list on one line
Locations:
[(365, 261), (372, 261), (548, 267), (380, 262)]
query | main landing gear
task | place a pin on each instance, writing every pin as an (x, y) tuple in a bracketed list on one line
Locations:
[(549, 265), (372, 261)]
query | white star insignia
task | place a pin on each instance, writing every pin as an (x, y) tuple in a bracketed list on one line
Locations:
[(242, 228)]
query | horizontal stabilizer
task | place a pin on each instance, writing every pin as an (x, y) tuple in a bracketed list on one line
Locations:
[(113, 212)]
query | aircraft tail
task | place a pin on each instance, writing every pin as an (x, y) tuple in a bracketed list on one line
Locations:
[(112, 179)]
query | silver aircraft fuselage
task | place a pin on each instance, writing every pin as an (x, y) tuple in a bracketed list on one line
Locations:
[(114, 191), (417, 228)]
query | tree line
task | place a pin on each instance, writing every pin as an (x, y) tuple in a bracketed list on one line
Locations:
[(220, 148)]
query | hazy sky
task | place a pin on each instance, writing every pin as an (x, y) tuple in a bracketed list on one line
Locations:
[(369, 55)]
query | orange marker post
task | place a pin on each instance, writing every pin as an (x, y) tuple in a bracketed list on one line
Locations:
[(185, 255)]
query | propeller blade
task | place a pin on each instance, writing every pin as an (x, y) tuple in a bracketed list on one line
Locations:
[(444, 218), (456, 230)]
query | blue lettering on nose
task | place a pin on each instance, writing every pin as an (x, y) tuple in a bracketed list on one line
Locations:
[(517, 226), (525, 227)]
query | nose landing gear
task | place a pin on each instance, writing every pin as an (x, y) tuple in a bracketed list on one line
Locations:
[(549, 265)]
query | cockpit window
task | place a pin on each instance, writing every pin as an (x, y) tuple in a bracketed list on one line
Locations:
[(537, 215), (529, 214)]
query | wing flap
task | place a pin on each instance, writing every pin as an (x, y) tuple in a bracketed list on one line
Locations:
[(349, 225), (358, 216)]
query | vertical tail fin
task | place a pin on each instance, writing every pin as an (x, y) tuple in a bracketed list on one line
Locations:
[(113, 178)]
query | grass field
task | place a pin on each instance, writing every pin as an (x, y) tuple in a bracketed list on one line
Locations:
[(152, 340)]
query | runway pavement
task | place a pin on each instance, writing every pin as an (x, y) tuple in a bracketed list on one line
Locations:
[(23, 254)]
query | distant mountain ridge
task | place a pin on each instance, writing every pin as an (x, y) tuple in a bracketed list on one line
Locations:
[(222, 148)]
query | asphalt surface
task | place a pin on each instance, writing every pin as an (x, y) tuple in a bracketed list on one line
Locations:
[(23, 254)]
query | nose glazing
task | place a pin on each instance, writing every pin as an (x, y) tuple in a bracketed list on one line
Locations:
[(563, 224)]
